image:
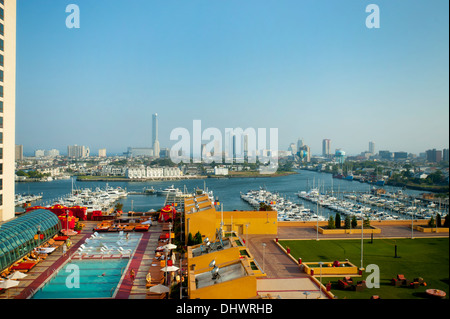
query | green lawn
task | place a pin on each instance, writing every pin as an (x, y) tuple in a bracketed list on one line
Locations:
[(426, 258)]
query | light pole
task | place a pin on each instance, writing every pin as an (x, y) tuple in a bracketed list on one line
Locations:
[(412, 222), (362, 239), (264, 256), (170, 233), (320, 287)]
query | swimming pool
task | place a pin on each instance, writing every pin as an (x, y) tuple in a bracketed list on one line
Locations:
[(92, 278)]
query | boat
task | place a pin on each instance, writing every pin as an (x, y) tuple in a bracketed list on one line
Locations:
[(150, 191), (171, 190)]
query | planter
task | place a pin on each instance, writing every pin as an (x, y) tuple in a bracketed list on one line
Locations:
[(371, 230), (313, 269), (426, 229)]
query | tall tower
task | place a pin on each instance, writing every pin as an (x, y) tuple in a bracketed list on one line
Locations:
[(156, 147), (7, 107), (326, 145), (372, 148)]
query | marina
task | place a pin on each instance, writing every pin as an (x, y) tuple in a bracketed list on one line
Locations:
[(143, 196)]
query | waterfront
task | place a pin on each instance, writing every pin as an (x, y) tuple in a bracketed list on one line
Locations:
[(227, 190)]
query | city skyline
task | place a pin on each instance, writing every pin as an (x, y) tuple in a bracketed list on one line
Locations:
[(312, 70)]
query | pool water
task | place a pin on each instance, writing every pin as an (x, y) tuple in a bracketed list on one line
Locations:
[(90, 278)]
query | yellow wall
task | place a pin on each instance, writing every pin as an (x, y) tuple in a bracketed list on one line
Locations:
[(264, 222), (203, 222), (242, 222), (221, 256), (241, 288)]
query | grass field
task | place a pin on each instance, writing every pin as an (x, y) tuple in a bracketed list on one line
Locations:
[(425, 257)]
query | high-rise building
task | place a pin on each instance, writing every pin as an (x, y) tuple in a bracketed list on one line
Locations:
[(299, 144), (52, 153), (155, 144), (434, 156), (7, 107), (19, 152), (78, 151), (445, 155), (292, 148), (326, 147), (39, 153), (102, 152), (372, 148)]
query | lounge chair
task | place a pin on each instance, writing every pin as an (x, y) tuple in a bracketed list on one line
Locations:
[(348, 280)]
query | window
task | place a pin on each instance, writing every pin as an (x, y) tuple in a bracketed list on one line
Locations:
[(1, 59), (2, 14), (1, 138), (1, 75), (1, 90), (2, 29), (1, 106), (2, 45)]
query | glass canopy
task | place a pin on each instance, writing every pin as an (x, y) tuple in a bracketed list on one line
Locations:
[(21, 235)]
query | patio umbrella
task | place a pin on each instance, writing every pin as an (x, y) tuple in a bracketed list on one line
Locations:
[(170, 268), (169, 246), (8, 283), (159, 289), (17, 275)]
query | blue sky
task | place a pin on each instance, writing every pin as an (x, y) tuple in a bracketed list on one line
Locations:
[(309, 68)]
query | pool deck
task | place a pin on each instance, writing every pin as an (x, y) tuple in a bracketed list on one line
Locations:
[(128, 289)]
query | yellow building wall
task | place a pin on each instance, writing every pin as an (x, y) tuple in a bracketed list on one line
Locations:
[(241, 288), (249, 222), (221, 256), (203, 222)]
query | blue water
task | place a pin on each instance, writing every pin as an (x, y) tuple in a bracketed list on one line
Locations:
[(94, 278), (91, 282), (226, 189)]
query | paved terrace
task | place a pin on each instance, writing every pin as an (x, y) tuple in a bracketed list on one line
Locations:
[(284, 278)]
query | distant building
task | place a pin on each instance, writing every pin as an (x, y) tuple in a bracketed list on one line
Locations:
[(326, 147), (385, 155), (399, 156), (220, 170), (39, 153), (51, 153), (445, 155), (139, 151), (78, 151), (299, 144), (102, 152), (19, 152), (292, 149), (146, 172), (372, 148), (434, 156)]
